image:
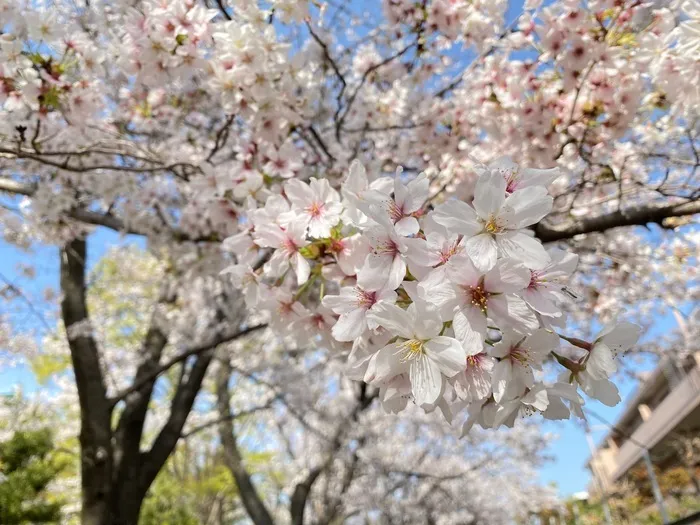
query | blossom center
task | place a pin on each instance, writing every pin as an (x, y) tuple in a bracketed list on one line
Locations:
[(387, 247), (492, 225), (315, 209), (395, 212), (512, 181), (479, 297), (337, 245), (474, 361), (411, 349), (365, 299), (534, 280), (448, 252), (519, 354), (289, 246)]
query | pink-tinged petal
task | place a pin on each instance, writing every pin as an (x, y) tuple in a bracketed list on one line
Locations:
[(509, 310), (540, 301), (622, 336), (470, 329), (506, 277), (603, 390), (302, 268), (298, 193), (540, 344), (563, 264), (428, 321), (530, 205), (524, 248), (350, 326), (489, 195), (447, 353), (388, 363), (297, 232), (397, 272), (320, 227), (419, 253), (601, 362), (269, 236), (426, 380), (418, 193), (526, 376), (353, 255), (375, 272), (395, 319), (407, 226), (278, 264), (502, 375), (442, 295), (356, 181), (483, 251), (343, 303), (457, 217), (462, 271), (537, 398), (501, 349), (400, 191), (538, 177)]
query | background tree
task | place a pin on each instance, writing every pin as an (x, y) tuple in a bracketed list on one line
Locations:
[(28, 465)]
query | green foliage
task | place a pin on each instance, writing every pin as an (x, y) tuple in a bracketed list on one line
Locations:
[(45, 366), (167, 504), (188, 491), (27, 465)]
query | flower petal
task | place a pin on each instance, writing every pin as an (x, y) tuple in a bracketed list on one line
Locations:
[(447, 353), (522, 247), (426, 380), (483, 251)]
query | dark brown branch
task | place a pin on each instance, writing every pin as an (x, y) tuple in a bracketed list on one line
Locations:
[(237, 415), (94, 218), (194, 350), (95, 410), (21, 154), (255, 507), (221, 137), (327, 55), (303, 489), (634, 216), (223, 10), (189, 386), (340, 119)]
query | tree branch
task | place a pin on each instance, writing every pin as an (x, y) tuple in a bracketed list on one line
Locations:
[(198, 349), (95, 410), (303, 489), (237, 415), (255, 507), (93, 218), (635, 216)]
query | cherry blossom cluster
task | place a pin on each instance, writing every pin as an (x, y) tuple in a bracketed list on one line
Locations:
[(165, 41), (469, 21), (451, 306), (45, 70)]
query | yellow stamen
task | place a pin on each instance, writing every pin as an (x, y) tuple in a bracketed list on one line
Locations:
[(411, 349)]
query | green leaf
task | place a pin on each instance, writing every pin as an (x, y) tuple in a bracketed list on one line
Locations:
[(45, 366)]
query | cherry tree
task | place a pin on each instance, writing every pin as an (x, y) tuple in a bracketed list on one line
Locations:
[(301, 441), (410, 188)]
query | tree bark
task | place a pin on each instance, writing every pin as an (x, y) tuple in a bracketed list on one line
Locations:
[(115, 473), (96, 453), (634, 216), (254, 506)]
